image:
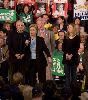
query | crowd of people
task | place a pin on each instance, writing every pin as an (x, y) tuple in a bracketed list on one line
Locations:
[(27, 47)]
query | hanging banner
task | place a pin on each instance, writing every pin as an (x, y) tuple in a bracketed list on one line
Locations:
[(57, 66), (25, 1), (59, 8), (41, 7), (11, 3), (7, 15), (80, 10)]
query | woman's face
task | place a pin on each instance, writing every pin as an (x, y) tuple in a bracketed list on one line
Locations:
[(7, 27), (70, 28), (77, 22), (40, 24), (60, 20), (33, 31), (26, 9)]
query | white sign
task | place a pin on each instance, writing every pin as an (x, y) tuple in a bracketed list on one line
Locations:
[(81, 11), (80, 2), (60, 1)]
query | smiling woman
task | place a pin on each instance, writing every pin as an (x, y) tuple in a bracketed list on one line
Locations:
[(38, 61), (71, 44)]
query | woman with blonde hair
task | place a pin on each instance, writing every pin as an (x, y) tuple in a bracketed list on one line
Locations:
[(71, 44), (38, 62)]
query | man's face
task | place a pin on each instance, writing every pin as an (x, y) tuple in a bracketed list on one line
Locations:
[(46, 18), (2, 35), (6, 3), (20, 26), (60, 46), (55, 29), (1, 42), (61, 35)]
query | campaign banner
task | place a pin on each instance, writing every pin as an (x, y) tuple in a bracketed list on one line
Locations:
[(59, 8), (7, 15), (57, 66), (81, 11)]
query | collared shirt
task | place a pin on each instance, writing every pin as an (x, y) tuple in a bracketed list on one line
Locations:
[(33, 48), (81, 55)]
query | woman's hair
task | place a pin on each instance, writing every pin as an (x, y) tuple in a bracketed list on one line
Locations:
[(33, 25), (6, 23), (27, 93), (74, 30), (26, 5), (62, 17), (17, 78), (77, 18)]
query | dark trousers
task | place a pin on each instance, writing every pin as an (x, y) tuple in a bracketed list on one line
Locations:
[(4, 66), (18, 66), (70, 74), (33, 69)]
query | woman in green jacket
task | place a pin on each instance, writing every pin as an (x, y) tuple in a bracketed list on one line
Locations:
[(26, 16)]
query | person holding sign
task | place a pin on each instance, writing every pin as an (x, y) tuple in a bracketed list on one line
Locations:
[(57, 66), (71, 44), (26, 16)]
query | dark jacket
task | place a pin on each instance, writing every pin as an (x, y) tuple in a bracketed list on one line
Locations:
[(71, 46), (16, 45), (41, 50)]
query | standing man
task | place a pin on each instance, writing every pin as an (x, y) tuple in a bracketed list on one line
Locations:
[(17, 49), (48, 37)]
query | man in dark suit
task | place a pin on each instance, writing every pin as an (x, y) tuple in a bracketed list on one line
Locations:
[(38, 60), (17, 49)]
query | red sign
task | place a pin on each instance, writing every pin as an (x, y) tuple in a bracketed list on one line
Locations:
[(59, 9)]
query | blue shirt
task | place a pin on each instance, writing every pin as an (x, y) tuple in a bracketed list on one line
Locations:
[(33, 48)]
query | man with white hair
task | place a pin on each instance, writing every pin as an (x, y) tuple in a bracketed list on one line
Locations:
[(17, 49)]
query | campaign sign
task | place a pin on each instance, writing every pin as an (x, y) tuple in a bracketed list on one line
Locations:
[(7, 15), (57, 66), (81, 11)]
